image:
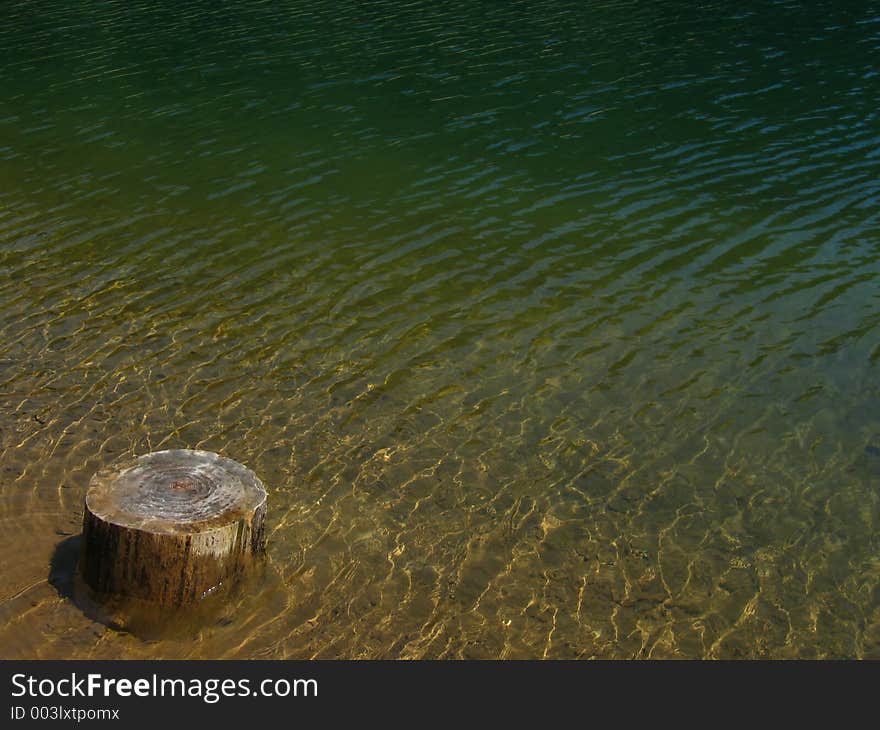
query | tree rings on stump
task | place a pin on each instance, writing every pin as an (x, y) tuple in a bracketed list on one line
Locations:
[(171, 528)]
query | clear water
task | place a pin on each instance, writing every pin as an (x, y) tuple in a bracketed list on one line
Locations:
[(551, 327)]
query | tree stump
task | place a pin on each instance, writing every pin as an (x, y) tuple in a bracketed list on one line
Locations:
[(171, 527)]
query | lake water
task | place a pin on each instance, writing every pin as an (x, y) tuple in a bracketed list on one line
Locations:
[(551, 327)]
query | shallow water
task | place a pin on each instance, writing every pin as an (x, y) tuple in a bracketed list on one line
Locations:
[(550, 327)]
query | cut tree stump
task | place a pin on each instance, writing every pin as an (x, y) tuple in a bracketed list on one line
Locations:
[(171, 527)]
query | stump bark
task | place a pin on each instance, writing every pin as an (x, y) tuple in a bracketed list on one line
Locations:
[(171, 527)]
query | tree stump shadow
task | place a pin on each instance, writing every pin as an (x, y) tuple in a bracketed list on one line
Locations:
[(148, 621)]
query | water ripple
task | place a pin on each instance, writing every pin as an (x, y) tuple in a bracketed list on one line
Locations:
[(550, 328)]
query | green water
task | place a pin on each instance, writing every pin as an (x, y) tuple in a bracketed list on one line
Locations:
[(551, 327)]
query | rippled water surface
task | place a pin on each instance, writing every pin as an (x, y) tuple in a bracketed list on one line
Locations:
[(551, 327)]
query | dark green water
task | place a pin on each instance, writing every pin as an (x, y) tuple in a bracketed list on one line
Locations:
[(552, 328)]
